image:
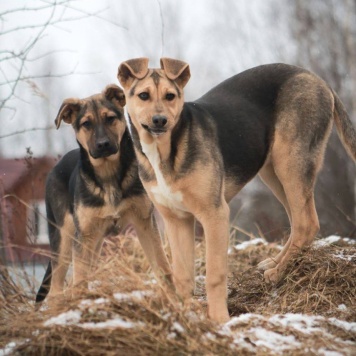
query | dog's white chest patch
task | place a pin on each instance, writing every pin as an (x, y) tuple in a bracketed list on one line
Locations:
[(162, 191)]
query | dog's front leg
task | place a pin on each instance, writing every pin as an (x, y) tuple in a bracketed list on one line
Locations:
[(151, 243), (85, 254), (216, 229), (180, 232)]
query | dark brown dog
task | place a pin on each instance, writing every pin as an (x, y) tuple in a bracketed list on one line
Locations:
[(273, 120), (95, 191)]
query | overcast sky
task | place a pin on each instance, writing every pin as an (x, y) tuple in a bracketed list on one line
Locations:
[(89, 39)]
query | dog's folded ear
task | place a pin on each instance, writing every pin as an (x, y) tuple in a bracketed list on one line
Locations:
[(131, 69), (68, 111), (114, 93), (176, 70)]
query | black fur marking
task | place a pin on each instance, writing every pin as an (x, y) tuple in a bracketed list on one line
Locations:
[(243, 110), (156, 78), (309, 174), (133, 89), (177, 88), (114, 229), (81, 113), (135, 136), (144, 175)]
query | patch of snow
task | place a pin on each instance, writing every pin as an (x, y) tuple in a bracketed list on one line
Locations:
[(93, 285), (178, 327), (171, 336), (112, 323), (8, 349), (344, 257), (332, 239), (300, 322), (325, 352), (89, 302), (253, 242), (149, 282), (72, 317), (252, 331), (210, 336), (137, 295), (271, 339), (68, 318), (347, 326), (342, 307), (200, 279), (243, 319)]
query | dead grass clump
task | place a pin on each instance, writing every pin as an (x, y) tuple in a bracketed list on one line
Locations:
[(319, 281), (126, 311)]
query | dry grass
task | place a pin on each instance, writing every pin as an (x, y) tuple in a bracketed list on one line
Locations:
[(149, 320)]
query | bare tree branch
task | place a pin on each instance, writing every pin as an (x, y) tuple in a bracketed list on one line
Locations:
[(55, 13), (27, 130)]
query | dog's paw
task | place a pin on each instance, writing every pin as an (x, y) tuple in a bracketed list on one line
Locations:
[(272, 275), (220, 317), (266, 264)]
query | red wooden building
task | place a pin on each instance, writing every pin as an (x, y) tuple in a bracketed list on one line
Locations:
[(23, 226)]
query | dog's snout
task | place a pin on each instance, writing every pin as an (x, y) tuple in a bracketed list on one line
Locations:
[(159, 120), (103, 143)]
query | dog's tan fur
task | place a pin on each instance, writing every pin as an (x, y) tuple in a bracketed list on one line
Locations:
[(290, 163)]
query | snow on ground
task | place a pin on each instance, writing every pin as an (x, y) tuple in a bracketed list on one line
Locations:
[(332, 240), (252, 242), (254, 332), (278, 334)]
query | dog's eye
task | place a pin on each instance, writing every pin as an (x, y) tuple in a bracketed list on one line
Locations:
[(144, 96), (110, 119), (86, 124), (170, 96)]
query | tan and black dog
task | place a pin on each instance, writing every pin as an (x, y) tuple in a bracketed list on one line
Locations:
[(273, 120), (95, 191)]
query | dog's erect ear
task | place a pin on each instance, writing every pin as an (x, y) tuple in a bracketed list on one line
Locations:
[(131, 69), (68, 111), (114, 93), (176, 70)]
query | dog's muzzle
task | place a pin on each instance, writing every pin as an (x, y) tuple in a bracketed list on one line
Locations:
[(158, 125), (104, 148)]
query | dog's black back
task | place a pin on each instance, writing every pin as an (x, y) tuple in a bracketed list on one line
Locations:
[(243, 109)]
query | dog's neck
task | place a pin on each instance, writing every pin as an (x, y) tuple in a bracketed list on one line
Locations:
[(165, 145)]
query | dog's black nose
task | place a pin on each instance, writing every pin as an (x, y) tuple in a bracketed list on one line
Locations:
[(159, 120), (102, 144)]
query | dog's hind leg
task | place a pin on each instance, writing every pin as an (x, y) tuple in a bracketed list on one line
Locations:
[(269, 177), (303, 123), (297, 171), (305, 225)]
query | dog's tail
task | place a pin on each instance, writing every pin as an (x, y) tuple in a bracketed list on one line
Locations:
[(345, 129), (45, 285)]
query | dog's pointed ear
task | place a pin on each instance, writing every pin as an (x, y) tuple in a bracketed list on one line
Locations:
[(131, 69), (176, 70), (68, 111), (115, 94)]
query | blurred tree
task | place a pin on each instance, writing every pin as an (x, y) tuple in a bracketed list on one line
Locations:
[(24, 63), (325, 35)]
